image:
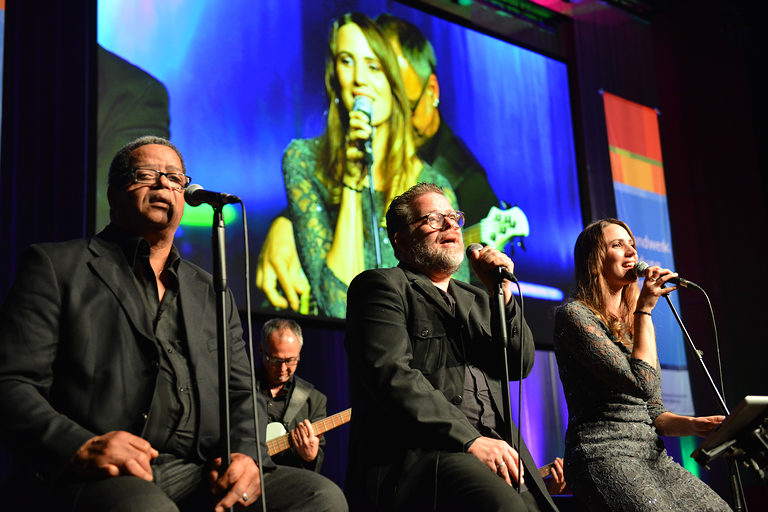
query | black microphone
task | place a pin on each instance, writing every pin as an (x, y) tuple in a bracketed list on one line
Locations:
[(195, 195), (641, 266), (503, 272), (365, 105)]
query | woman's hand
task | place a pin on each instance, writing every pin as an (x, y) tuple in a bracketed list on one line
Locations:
[(360, 130), (655, 278)]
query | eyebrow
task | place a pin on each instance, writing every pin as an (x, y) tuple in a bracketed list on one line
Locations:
[(152, 167)]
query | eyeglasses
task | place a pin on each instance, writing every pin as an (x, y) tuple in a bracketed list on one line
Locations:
[(421, 95), (177, 180), (437, 219), (276, 361)]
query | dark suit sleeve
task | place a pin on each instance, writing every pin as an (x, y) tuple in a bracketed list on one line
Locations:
[(29, 342), (380, 356)]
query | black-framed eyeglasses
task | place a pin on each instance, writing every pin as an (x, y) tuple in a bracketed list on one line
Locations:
[(276, 361), (421, 94), (177, 180), (437, 220)]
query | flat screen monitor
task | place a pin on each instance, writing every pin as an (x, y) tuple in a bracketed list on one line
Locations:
[(234, 83)]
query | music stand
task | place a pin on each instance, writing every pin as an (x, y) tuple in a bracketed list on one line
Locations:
[(743, 435)]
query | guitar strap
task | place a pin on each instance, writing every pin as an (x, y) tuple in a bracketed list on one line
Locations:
[(299, 397)]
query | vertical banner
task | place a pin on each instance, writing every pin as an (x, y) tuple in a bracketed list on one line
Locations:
[(641, 201)]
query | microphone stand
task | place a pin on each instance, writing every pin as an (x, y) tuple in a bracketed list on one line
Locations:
[(732, 470), (220, 287), (368, 164), (500, 339)]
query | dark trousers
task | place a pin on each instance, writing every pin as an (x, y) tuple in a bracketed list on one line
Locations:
[(183, 487), (448, 482)]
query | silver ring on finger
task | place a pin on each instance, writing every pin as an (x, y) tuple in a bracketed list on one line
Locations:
[(245, 497), (500, 465)]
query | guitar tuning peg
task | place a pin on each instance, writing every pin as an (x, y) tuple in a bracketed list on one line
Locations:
[(520, 243), (504, 205)]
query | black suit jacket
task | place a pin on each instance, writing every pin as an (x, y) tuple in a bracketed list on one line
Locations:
[(78, 357), (406, 355)]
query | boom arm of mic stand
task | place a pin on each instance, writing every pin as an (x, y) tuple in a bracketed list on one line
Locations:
[(734, 477)]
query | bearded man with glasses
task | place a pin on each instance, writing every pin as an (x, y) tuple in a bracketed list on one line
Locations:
[(426, 378)]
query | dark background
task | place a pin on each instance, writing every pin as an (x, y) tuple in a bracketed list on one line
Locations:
[(697, 62)]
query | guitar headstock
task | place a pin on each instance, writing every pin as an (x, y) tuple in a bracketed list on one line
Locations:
[(499, 227)]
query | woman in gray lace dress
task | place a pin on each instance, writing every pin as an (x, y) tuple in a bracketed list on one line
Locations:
[(606, 350)]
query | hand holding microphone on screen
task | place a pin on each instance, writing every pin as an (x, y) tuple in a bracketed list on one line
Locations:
[(359, 142)]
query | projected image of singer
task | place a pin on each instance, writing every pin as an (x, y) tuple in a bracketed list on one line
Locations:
[(436, 143), (606, 351), (426, 378), (109, 392), (327, 178)]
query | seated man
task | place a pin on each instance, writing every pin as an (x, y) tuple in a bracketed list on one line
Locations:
[(109, 393), (291, 401), (425, 378)]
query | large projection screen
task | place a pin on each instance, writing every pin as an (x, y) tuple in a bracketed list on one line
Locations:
[(233, 83)]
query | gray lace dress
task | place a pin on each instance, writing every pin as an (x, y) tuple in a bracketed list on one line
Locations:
[(614, 459)]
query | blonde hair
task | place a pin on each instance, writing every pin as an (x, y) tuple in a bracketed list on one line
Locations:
[(399, 167)]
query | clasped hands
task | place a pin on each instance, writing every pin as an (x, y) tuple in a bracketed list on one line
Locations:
[(120, 453)]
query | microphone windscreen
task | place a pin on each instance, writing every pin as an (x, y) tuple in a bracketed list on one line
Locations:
[(365, 105), (640, 268), (189, 195), (473, 247)]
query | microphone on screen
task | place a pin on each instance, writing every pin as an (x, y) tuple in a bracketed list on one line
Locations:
[(365, 105), (502, 271), (641, 267)]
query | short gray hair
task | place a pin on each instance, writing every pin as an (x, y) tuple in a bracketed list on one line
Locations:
[(278, 324)]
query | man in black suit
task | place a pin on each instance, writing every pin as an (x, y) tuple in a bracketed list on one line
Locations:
[(108, 367), (291, 400), (426, 379)]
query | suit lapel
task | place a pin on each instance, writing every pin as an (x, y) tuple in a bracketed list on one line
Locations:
[(428, 289), (193, 306), (120, 280)]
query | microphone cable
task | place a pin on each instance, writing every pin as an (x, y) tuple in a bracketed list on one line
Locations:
[(251, 363)]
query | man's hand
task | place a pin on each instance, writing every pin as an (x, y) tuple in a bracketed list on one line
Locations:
[(498, 456), (555, 481), (484, 263), (113, 454), (279, 262), (241, 481), (304, 439)]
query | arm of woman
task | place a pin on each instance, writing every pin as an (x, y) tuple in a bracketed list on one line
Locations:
[(671, 424), (581, 336)]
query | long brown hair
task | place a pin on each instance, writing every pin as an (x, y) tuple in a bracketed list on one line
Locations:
[(589, 256), (399, 169)]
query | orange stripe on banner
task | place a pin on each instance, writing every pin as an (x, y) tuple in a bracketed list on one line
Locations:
[(632, 127), (637, 173)]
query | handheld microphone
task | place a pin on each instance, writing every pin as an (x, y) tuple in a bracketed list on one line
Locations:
[(641, 266), (502, 271), (364, 104), (195, 195)]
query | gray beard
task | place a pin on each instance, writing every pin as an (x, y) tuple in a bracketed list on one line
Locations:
[(436, 260)]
